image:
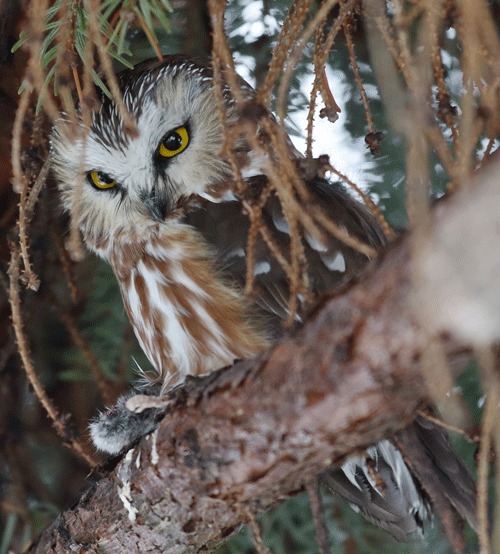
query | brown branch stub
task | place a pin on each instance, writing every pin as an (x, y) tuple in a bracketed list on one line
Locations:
[(331, 109)]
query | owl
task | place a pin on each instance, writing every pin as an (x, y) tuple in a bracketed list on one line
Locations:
[(160, 206)]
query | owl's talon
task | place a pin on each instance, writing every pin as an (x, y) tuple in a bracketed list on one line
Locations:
[(118, 428), (140, 402)]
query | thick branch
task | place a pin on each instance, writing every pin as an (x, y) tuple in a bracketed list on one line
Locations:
[(243, 439), (259, 431)]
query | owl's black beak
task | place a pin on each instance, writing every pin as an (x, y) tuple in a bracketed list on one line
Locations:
[(157, 204)]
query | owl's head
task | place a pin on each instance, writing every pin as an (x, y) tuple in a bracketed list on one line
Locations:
[(113, 181)]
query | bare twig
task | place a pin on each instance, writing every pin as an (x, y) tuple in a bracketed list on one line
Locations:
[(35, 75), (487, 358), (149, 34), (257, 535), (376, 211), (221, 54), (36, 189), (301, 44), (97, 38), (347, 26), (318, 512), (21, 186), (449, 427), (291, 28)]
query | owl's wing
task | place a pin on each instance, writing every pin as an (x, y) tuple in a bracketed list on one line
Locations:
[(331, 264), (401, 505)]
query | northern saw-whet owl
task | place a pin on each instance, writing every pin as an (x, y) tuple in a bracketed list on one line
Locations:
[(160, 206)]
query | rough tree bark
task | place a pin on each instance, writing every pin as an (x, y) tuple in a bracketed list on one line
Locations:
[(242, 440)]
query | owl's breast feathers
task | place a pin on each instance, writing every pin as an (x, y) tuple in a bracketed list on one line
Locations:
[(188, 318)]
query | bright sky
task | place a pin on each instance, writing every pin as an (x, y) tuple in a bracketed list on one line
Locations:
[(349, 156)]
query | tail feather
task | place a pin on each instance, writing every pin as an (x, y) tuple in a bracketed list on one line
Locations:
[(381, 487), (396, 495), (438, 468)]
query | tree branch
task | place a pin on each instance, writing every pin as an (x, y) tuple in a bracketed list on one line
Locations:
[(243, 439), (255, 433)]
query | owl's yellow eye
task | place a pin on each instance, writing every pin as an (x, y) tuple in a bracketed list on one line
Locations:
[(174, 143), (101, 180)]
